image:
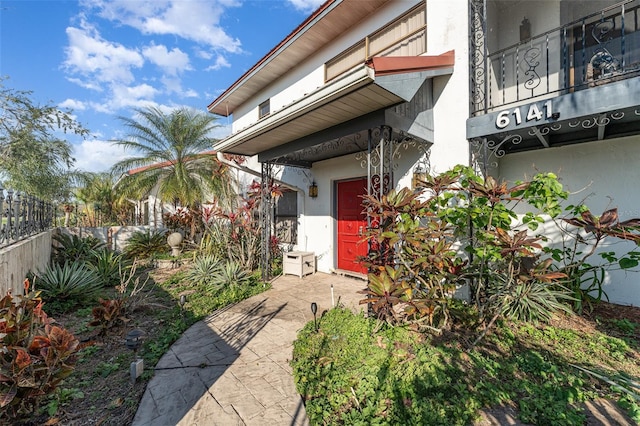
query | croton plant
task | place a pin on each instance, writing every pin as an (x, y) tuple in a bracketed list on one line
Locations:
[(35, 354)]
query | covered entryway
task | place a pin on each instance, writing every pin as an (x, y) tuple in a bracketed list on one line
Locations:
[(351, 224)]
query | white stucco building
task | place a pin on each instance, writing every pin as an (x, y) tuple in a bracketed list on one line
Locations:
[(363, 94)]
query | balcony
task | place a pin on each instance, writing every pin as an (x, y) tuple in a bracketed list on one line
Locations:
[(575, 82), (597, 49)]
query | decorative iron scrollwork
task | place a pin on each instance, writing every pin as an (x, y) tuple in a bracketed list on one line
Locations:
[(22, 215), (531, 59)]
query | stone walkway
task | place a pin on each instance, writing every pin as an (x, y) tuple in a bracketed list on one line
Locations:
[(233, 367)]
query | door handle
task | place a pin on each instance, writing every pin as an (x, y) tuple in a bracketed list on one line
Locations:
[(360, 231)]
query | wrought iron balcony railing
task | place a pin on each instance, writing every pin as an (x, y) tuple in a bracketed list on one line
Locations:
[(597, 49), (21, 216)]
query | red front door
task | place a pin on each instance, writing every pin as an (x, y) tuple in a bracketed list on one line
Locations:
[(352, 223)]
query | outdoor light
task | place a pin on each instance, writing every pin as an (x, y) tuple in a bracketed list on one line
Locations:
[(313, 190), (134, 339), (133, 342), (525, 29), (314, 310), (182, 302), (419, 175)]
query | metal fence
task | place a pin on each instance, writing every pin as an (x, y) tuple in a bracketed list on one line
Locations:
[(22, 215)]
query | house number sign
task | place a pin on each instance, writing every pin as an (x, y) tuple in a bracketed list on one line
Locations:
[(523, 113)]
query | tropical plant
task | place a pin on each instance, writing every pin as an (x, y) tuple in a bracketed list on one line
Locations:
[(109, 266), (173, 152), (581, 239), (35, 356), (230, 274), (147, 243), (237, 234), (203, 269), (108, 314), (425, 233), (70, 248), (71, 282), (102, 203)]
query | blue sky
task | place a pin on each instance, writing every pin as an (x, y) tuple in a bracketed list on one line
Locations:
[(102, 58)]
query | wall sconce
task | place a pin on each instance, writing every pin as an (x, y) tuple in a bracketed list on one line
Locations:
[(419, 175), (525, 29), (313, 190)]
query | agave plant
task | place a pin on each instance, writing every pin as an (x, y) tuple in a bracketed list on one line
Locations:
[(203, 270), (73, 282), (230, 274)]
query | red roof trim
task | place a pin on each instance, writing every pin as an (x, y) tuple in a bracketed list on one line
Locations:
[(165, 163), (387, 65), (275, 49)]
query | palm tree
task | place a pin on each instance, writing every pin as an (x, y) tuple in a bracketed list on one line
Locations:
[(97, 192), (174, 153)]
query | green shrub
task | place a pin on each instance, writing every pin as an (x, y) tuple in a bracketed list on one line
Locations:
[(35, 356), (72, 248), (72, 282), (146, 244), (110, 266), (230, 274), (203, 269)]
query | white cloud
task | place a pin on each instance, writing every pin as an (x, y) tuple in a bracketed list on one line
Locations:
[(73, 104), (86, 84), (195, 20), (132, 96), (172, 61), (97, 155), (306, 6), (96, 59), (221, 62)]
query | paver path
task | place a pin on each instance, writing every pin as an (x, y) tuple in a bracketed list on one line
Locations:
[(232, 368)]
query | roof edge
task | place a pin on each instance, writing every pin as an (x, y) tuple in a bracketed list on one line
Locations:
[(299, 29)]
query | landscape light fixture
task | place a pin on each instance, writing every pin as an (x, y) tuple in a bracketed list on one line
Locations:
[(314, 310), (133, 340), (182, 301)]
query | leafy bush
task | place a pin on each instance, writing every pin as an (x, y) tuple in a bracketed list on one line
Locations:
[(147, 243), (72, 248), (460, 229), (108, 314), (110, 266), (35, 356), (72, 282)]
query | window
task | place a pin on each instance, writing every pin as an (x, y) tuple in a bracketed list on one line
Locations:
[(286, 218), (264, 109)]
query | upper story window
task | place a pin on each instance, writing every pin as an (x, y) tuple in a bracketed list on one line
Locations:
[(404, 36), (264, 109)]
